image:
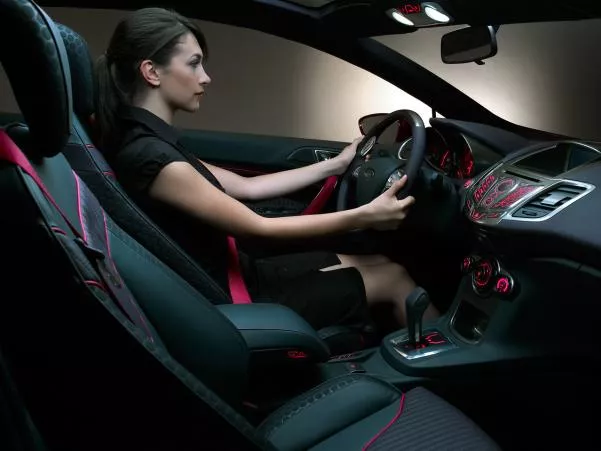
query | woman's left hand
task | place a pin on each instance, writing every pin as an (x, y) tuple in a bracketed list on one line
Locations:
[(347, 155)]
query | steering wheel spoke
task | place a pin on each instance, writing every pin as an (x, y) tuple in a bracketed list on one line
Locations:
[(374, 175)]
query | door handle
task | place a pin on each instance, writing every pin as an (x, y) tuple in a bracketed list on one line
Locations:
[(322, 155)]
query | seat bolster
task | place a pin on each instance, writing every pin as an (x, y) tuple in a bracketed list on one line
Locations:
[(326, 410), (420, 420)]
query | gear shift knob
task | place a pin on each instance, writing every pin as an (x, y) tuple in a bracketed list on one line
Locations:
[(415, 305)]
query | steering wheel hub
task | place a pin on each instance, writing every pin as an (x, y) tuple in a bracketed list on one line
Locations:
[(371, 177)]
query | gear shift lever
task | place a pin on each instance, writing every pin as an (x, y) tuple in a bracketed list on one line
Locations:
[(415, 305)]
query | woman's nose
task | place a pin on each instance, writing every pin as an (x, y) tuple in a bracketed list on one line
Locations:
[(205, 79)]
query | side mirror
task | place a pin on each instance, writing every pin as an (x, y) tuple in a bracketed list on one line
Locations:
[(391, 135), (472, 44)]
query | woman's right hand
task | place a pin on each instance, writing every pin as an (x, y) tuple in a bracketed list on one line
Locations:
[(386, 212)]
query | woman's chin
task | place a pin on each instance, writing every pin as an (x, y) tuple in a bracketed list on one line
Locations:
[(192, 107)]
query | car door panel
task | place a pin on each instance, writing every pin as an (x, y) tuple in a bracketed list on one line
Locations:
[(251, 155)]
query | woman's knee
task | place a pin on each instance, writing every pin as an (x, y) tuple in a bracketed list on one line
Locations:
[(363, 260), (396, 273), (386, 282)]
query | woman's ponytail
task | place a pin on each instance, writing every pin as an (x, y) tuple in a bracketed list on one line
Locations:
[(107, 100)]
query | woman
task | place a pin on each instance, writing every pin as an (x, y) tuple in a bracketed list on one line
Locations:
[(153, 68)]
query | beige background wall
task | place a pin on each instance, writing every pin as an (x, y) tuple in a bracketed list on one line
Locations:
[(262, 84)]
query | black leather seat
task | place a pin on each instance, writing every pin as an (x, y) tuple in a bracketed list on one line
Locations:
[(89, 163), (81, 302)]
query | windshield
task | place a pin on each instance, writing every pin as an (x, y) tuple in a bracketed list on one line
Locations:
[(545, 75)]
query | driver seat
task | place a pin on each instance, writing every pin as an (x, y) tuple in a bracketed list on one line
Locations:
[(91, 166), (91, 368)]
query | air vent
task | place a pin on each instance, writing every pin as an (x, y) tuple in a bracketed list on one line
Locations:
[(550, 201)]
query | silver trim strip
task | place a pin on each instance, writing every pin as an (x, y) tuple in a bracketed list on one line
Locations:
[(321, 154)]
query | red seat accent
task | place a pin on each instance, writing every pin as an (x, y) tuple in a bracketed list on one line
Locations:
[(238, 291)]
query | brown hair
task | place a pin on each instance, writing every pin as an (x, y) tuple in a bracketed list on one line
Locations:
[(148, 33)]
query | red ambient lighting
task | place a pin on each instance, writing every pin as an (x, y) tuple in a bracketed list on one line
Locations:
[(435, 339), (514, 197), (503, 285), (411, 8), (297, 355), (466, 264), (483, 274), (484, 187)]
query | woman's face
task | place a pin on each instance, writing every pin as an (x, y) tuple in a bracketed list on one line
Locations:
[(183, 81)]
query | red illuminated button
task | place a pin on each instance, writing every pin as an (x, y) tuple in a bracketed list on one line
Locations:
[(468, 183), (482, 277), (504, 285), (297, 355), (466, 264)]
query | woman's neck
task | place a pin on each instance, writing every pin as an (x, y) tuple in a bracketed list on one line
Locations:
[(156, 106)]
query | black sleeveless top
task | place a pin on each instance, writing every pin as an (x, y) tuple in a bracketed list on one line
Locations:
[(149, 144)]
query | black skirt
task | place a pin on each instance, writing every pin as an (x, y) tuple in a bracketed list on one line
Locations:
[(322, 298)]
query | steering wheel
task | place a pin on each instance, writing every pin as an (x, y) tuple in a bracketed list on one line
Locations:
[(378, 174)]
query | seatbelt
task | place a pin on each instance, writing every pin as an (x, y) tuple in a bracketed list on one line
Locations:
[(238, 291), (111, 280), (322, 197)]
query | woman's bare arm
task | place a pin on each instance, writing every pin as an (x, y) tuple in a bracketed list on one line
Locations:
[(181, 186), (284, 182)]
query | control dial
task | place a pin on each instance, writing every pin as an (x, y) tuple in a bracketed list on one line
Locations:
[(483, 275)]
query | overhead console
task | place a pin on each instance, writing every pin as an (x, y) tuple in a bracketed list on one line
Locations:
[(531, 187)]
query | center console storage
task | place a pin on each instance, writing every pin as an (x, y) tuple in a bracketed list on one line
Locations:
[(276, 335)]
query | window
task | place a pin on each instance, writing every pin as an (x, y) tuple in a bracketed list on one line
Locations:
[(263, 84), (268, 85)]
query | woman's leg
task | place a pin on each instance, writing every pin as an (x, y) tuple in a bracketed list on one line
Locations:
[(385, 281)]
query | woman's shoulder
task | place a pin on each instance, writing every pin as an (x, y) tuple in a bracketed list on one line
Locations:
[(138, 162), (147, 148)]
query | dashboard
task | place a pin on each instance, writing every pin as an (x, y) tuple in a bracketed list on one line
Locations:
[(541, 201), (532, 261), (521, 196), (532, 186), (450, 154)]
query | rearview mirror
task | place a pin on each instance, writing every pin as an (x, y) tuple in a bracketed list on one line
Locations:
[(472, 44), (389, 136)]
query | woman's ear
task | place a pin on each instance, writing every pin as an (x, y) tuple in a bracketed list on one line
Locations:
[(150, 73)]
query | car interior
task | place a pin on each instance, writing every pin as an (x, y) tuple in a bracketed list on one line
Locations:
[(112, 336)]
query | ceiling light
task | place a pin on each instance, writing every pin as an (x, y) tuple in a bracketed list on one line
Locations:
[(399, 17), (435, 14)]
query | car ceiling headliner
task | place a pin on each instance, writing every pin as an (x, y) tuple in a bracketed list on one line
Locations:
[(357, 18)]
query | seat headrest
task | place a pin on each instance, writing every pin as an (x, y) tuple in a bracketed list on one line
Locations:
[(35, 61), (82, 72)]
